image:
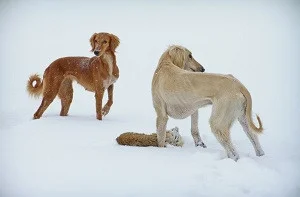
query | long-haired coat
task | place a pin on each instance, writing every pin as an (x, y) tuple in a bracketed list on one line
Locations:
[(95, 74), (140, 139), (178, 93)]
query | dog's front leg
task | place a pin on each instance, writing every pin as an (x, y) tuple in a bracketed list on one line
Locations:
[(161, 122), (99, 96), (109, 103), (195, 131), (161, 125)]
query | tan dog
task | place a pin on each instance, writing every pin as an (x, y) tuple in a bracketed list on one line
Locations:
[(140, 139), (95, 74), (179, 93)]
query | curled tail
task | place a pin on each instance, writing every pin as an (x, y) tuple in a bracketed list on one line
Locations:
[(37, 89), (248, 112)]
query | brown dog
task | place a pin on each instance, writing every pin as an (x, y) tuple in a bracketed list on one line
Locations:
[(95, 74)]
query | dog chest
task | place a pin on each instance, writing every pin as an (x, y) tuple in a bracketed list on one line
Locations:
[(110, 80)]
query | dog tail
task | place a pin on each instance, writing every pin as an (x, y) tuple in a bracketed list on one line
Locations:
[(247, 95), (35, 90)]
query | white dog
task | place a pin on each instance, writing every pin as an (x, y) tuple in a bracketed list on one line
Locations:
[(179, 93)]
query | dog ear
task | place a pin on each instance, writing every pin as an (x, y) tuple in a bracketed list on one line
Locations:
[(177, 56), (114, 42), (92, 41)]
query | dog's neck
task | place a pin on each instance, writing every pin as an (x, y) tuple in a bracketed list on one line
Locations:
[(108, 59)]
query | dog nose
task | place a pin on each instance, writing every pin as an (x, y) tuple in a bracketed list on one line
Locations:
[(203, 69), (96, 53)]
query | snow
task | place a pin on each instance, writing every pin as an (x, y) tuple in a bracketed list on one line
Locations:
[(257, 42)]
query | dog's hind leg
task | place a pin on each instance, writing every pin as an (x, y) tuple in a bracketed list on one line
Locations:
[(50, 91), (195, 131), (65, 93), (223, 136), (252, 136), (220, 123)]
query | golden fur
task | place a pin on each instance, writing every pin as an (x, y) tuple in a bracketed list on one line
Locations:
[(140, 139), (179, 93), (95, 74)]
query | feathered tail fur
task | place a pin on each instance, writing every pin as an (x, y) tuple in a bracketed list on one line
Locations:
[(35, 90), (249, 113), (140, 139)]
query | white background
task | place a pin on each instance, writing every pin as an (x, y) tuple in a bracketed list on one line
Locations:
[(258, 42)]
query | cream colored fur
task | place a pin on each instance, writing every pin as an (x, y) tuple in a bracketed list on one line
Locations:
[(179, 93)]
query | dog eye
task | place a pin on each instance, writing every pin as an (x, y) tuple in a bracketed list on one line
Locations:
[(190, 56), (104, 41)]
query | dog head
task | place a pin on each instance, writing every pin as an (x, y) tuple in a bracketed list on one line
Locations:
[(102, 42), (174, 138), (183, 58)]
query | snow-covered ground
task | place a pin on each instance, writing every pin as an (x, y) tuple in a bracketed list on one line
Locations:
[(78, 156)]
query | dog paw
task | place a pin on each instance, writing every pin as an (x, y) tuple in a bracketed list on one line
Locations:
[(36, 117), (99, 117), (105, 110), (104, 113), (260, 153), (201, 144), (164, 145), (63, 114), (233, 156)]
